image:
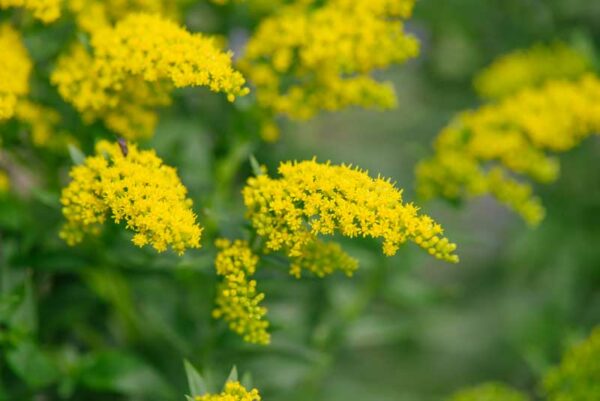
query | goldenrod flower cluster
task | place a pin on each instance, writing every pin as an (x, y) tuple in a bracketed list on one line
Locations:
[(94, 14), (577, 378), (132, 68), (15, 67), (312, 199), (480, 151), (312, 56), (44, 10), (136, 188), (233, 391), (322, 259), (238, 301), (530, 67), (489, 392)]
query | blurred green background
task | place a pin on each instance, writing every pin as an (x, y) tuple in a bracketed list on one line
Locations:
[(113, 322)]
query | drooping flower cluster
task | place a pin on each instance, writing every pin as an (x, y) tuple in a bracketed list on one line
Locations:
[(132, 67), (489, 392), (312, 56), (577, 378), (312, 199), (15, 67), (530, 67), (136, 188), (233, 391), (238, 301), (322, 259), (44, 10), (480, 151)]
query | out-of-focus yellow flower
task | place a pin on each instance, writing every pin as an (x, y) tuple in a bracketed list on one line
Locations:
[(577, 378), (44, 125), (4, 182), (530, 67), (15, 67), (312, 199), (45, 10), (233, 391), (481, 150), (238, 301), (94, 14), (322, 259), (310, 56), (132, 68), (137, 189), (489, 392)]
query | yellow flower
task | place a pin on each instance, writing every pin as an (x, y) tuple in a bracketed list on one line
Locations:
[(481, 150), (312, 199), (44, 123), (233, 391), (44, 10), (4, 182), (489, 392), (577, 378), (137, 189), (15, 67), (132, 68), (310, 57), (238, 301), (530, 67), (322, 259)]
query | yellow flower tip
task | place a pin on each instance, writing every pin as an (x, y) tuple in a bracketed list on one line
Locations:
[(311, 199), (15, 68), (233, 391), (4, 182), (137, 189), (238, 300)]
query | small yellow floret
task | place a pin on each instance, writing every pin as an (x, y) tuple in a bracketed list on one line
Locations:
[(137, 189), (238, 301), (15, 67), (45, 10), (233, 391), (312, 199)]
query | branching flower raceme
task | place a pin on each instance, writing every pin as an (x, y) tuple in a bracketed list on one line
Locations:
[(132, 68), (45, 10), (313, 199), (530, 67), (482, 151), (238, 300), (137, 189), (15, 68), (312, 56), (577, 378), (233, 391)]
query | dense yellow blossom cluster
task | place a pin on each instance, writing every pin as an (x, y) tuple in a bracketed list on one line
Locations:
[(233, 391), (94, 14), (312, 56), (132, 68), (480, 151), (44, 10), (530, 67), (136, 188), (15, 67), (489, 392), (312, 199), (577, 378), (322, 259), (238, 301)]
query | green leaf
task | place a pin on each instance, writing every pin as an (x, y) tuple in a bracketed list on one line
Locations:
[(76, 154), (255, 166), (196, 382), (32, 365), (247, 380), (233, 375)]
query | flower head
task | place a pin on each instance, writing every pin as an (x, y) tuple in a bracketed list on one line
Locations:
[(44, 10), (137, 189), (15, 67), (312, 199), (238, 301), (233, 391)]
